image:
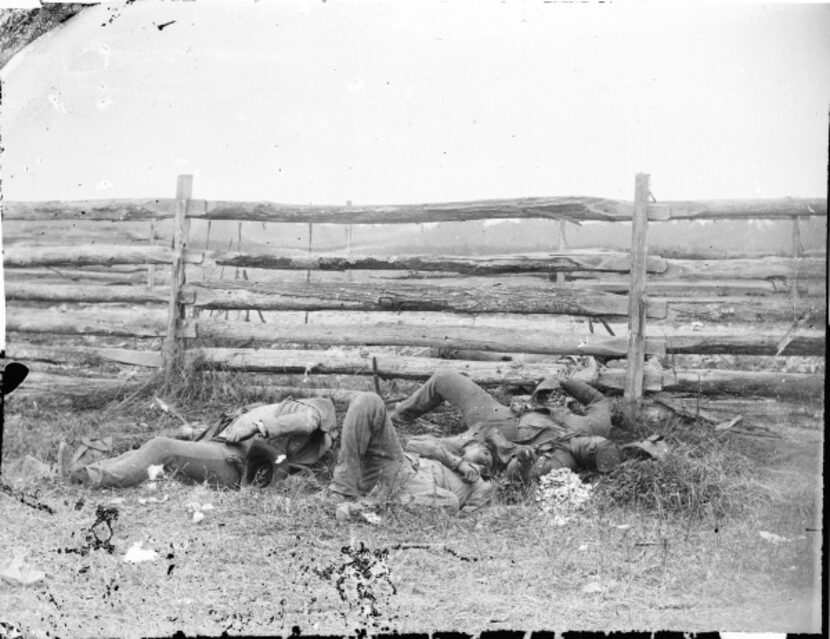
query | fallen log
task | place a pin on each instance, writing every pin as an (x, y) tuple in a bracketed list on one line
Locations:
[(601, 261), (744, 383), (440, 336), (333, 362), (476, 297), (74, 256)]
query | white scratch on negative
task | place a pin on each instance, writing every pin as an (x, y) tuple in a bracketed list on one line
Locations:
[(57, 104)]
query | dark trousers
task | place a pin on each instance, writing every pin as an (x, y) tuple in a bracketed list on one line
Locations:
[(446, 385), (206, 461), (489, 421), (370, 451)]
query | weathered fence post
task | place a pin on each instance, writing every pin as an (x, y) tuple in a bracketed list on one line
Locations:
[(151, 268), (637, 302), (796, 255), (172, 354)]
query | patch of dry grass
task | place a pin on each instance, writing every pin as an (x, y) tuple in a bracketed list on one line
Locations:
[(674, 545)]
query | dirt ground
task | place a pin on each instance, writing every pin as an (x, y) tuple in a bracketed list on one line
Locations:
[(266, 562)]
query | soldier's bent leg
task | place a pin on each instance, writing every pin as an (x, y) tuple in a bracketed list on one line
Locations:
[(370, 452), (475, 404)]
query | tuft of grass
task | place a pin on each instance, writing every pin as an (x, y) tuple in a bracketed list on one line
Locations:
[(674, 486)]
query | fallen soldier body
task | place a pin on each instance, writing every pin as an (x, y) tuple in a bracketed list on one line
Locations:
[(371, 460), (528, 439), (254, 444)]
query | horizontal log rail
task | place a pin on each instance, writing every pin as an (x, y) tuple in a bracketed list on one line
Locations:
[(496, 340), (708, 383), (21, 234), (121, 210), (107, 276), (387, 366), (732, 382), (738, 209), (145, 322), (458, 340), (74, 256), (471, 338), (766, 267), (476, 297), (755, 411), (705, 382), (658, 287), (574, 209), (743, 309), (804, 343), (760, 268), (88, 294), (600, 261), (340, 297), (494, 333)]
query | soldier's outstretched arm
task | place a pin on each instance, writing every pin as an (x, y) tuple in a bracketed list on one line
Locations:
[(262, 421), (433, 448)]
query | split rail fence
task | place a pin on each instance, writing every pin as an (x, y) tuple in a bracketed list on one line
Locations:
[(524, 310)]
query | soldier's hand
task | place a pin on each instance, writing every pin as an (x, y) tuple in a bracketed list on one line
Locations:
[(468, 472), (239, 431)]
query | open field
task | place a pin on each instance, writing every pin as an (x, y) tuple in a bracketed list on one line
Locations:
[(677, 546)]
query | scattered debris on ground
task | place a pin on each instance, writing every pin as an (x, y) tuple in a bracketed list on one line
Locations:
[(561, 495)]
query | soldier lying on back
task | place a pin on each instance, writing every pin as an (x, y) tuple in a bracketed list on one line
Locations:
[(528, 439), (371, 459), (257, 442)]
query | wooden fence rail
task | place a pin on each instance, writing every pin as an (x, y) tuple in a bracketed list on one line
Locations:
[(19, 256), (770, 292), (533, 337), (473, 297), (574, 209), (560, 262)]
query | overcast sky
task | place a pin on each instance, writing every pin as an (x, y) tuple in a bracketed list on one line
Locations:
[(421, 101)]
